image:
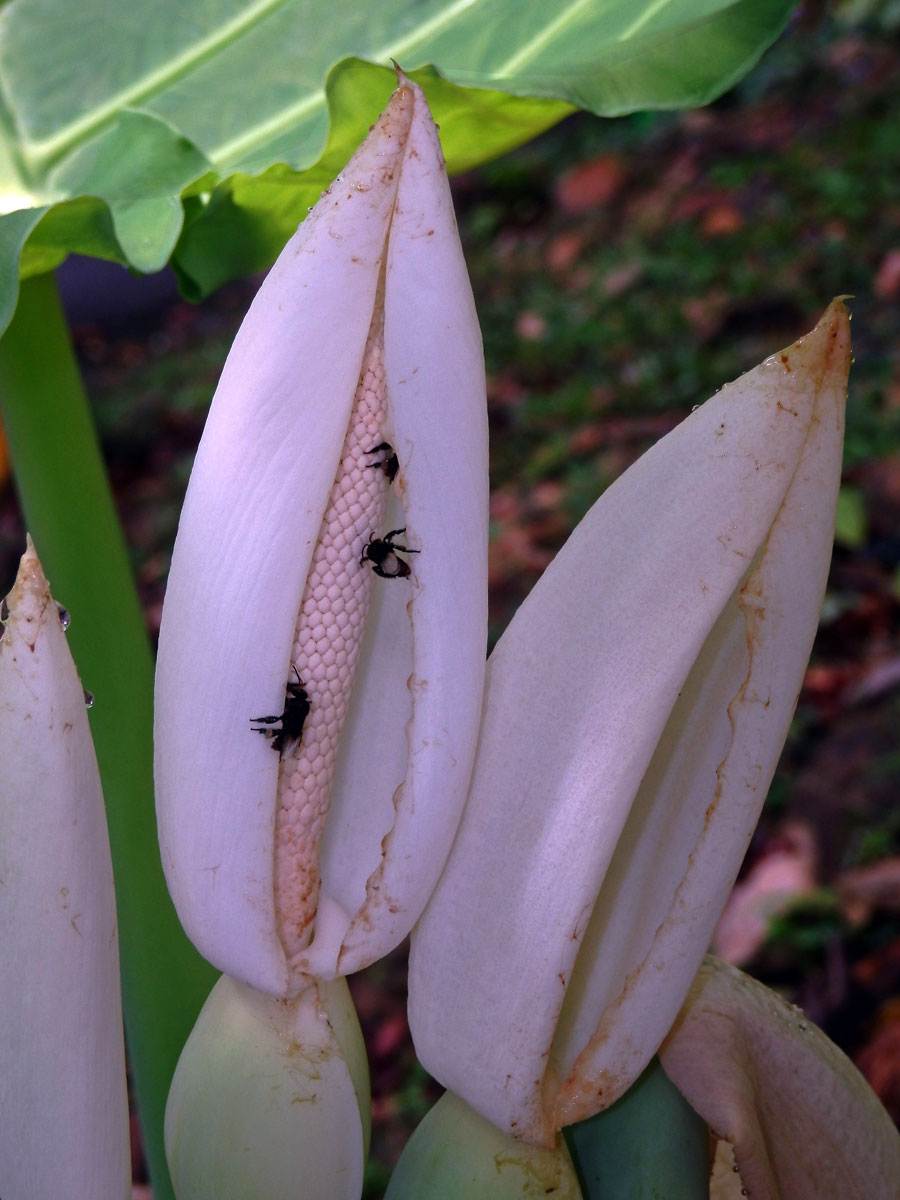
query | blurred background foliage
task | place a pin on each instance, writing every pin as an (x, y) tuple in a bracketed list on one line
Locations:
[(623, 270)]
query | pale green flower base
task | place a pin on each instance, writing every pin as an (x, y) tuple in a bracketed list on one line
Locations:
[(455, 1153), (270, 1098)]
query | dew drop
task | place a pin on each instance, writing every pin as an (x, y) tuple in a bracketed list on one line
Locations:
[(65, 618), (4, 610), (88, 699), (694, 407)]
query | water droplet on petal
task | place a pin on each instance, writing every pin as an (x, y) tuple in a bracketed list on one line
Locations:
[(65, 618), (88, 699), (4, 610)]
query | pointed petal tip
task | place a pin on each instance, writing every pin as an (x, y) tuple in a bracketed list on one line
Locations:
[(829, 341), (30, 593), (835, 322), (404, 81), (407, 89), (29, 564)]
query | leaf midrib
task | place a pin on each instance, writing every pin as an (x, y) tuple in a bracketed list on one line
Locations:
[(45, 151), (50, 148)]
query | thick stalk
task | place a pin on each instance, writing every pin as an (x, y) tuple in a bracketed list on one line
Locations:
[(70, 514), (649, 1143)]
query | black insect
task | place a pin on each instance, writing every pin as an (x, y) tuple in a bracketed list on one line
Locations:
[(389, 463), (296, 710), (382, 554)]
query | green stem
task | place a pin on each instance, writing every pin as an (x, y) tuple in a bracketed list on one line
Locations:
[(70, 514), (649, 1145)]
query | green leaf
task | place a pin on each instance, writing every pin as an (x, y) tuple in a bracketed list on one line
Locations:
[(228, 117), (14, 230), (247, 220), (851, 521), (138, 165), (82, 226)]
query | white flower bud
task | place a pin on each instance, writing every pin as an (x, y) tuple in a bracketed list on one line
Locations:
[(361, 345), (63, 1102)]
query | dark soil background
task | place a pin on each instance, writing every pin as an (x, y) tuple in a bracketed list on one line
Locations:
[(624, 270)]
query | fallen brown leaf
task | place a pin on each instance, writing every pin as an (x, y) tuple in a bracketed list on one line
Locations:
[(590, 184), (783, 874), (874, 886)]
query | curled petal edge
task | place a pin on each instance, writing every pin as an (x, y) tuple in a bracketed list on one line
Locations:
[(802, 1121)]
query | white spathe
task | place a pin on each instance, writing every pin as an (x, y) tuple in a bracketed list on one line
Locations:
[(634, 713), (63, 1103), (250, 522)]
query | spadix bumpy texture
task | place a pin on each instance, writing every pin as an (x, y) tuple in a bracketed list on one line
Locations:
[(313, 864), (326, 650)]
